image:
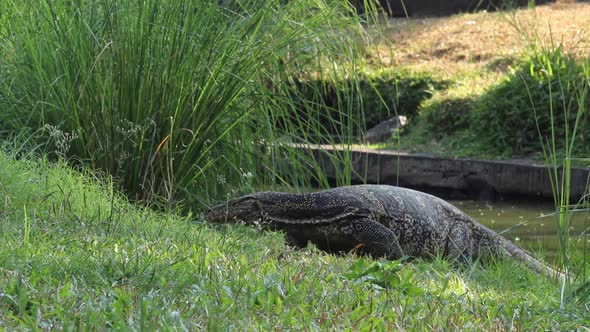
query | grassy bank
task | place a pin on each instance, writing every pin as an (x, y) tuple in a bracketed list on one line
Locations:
[(544, 95), (75, 254), (514, 75)]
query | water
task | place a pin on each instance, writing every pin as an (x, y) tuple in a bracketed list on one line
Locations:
[(530, 226)]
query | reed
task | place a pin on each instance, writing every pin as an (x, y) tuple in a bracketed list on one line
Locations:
[(558, 148), (179, 100)]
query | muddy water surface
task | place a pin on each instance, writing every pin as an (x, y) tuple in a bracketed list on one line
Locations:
[(531, 226)]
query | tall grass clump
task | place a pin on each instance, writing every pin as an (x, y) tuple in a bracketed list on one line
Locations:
[(563, 130), (176, 99)]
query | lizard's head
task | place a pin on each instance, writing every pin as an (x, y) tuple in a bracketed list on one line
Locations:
[(245, 209)]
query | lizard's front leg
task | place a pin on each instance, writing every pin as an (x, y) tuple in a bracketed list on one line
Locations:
[(377, 240), (295, 241)]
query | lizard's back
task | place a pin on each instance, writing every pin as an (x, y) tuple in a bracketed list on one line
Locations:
[(424, 224)]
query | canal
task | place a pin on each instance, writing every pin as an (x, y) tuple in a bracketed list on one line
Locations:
[(532, 226)]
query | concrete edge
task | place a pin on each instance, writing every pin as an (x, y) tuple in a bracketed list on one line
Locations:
[(450, 177)]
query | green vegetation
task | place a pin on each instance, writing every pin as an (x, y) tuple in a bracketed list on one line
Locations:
[(76, 255), (179, 103), (547, 91), (562, 132), (173, 98), (513, 118), (379, 94)]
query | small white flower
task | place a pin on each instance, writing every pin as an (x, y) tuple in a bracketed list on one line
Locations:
[(174, 315), (221, 179)]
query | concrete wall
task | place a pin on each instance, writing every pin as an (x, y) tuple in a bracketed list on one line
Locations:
[(414, 8), (454, 178)]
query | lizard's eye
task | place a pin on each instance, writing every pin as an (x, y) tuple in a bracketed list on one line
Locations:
[(361, 212)]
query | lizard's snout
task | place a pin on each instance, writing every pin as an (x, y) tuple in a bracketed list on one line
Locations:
[(215, 213)]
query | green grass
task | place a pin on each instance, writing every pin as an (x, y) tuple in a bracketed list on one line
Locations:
[(76, 254), (176, 99)]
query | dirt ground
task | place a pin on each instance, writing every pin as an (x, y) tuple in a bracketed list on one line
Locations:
[(488, 41)]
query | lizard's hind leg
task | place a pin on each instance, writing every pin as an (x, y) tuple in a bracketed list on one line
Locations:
[(460, 244)]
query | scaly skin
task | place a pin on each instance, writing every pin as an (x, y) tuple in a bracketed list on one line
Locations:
[(379, 220)]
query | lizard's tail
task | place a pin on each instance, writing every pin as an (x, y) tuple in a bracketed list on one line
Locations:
[(529, 260), (496, 244)]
